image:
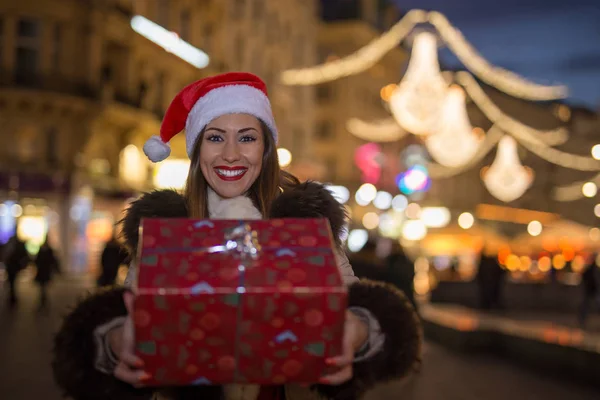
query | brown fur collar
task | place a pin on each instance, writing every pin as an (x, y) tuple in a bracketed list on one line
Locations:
[(306, 200)]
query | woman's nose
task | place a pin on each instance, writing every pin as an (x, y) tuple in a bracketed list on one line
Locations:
[(231, 152)]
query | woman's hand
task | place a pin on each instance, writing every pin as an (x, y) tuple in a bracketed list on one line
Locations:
[(356, 333), (122, 344)]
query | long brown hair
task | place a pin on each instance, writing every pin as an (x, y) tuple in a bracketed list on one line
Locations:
[(270, 182)]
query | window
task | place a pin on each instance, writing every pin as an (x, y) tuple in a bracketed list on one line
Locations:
[(324, 130), (56, 53), (184, 25), (324, 92), (51, 146), (27, 50), (162, 13)]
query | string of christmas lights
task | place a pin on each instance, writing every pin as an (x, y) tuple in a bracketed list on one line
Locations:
[(493, 136), (370, 54), (385, 130), (574, 191), (510, 125), (358, 61), (500, 78)]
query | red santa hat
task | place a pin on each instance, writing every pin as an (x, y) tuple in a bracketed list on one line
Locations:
[(204, 100)]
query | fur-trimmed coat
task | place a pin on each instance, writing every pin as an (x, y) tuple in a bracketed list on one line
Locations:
[(75, 348)]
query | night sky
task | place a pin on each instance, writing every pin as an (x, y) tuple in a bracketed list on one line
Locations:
[(547, 41)]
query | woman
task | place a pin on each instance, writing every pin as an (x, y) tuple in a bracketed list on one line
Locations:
[(234, 173), (47, 264)]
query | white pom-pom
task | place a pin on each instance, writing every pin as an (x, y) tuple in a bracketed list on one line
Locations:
[(156, 150)]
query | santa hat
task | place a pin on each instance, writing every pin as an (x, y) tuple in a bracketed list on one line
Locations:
[(202, 101)]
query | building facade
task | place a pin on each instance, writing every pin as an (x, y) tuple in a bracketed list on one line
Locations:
[(81, 91)]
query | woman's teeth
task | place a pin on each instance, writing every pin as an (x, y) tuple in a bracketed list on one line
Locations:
[(225, 172)]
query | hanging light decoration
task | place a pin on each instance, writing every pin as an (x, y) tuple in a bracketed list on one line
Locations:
[(507, 179), (417, 101), (454, 144)]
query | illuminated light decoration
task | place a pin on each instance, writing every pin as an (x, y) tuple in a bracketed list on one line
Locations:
[(383, 200), (390, 224), (340, 193), (534, 228), (573, 191), (386, 130), (502, 79), (417, 101), (357, 238), (589, 189), (133, 167), (415, 179), (453, 144), (414, 230), (597, 210), (169, 41), (16, 210), (507, 179), (368, 159), (171, 174), (399, 202), (358, 61), (413, 211), (596, 152), (494, 212), (370, 220), (284, 156), (365, 194), (435, 217), (490, 141), (509, 125), (370, 54), (466, 220), (386, 91), (595, 236)]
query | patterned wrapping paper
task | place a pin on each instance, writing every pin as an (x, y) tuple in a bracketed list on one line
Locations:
[(237, 301)]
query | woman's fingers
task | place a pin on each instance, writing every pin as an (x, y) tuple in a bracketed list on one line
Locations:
[(339, 377), (131, 360), (132, 376)]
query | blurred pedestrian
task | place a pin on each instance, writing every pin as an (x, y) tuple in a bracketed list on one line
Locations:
[(47, 265), (589, 283), (16, 258), (113, 256), (400, 272)]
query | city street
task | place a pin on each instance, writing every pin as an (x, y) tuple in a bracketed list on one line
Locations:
[(25, 344)]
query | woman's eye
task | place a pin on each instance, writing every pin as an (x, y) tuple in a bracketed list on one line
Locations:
[(247, 138), (214, 138)]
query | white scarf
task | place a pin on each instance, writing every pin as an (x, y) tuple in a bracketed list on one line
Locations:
[(240, 207)]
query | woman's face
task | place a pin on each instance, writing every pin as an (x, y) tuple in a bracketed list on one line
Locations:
[(231, 153)]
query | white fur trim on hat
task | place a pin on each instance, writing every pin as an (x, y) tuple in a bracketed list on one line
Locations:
[(231, 99), (156, 150)]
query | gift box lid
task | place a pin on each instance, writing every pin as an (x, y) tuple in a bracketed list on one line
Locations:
[(191, 256)]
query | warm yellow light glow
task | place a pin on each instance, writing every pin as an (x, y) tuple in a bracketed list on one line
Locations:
[(453, 144), (365, 194), (418, 100), (32, 229), (534, 228), (385, 130), (285, 157), (596, 152), (512, 263), (595, 234), (506, 179), (413, 210), (435, 217), (370, 220), (133, 166), (414, 230), (544, 264), (171, 174), (386, 91), (589, 189), (597, 210), (558, 261), (466, 220)]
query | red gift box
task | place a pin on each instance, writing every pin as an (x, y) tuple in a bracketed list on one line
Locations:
[(237, 301)]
